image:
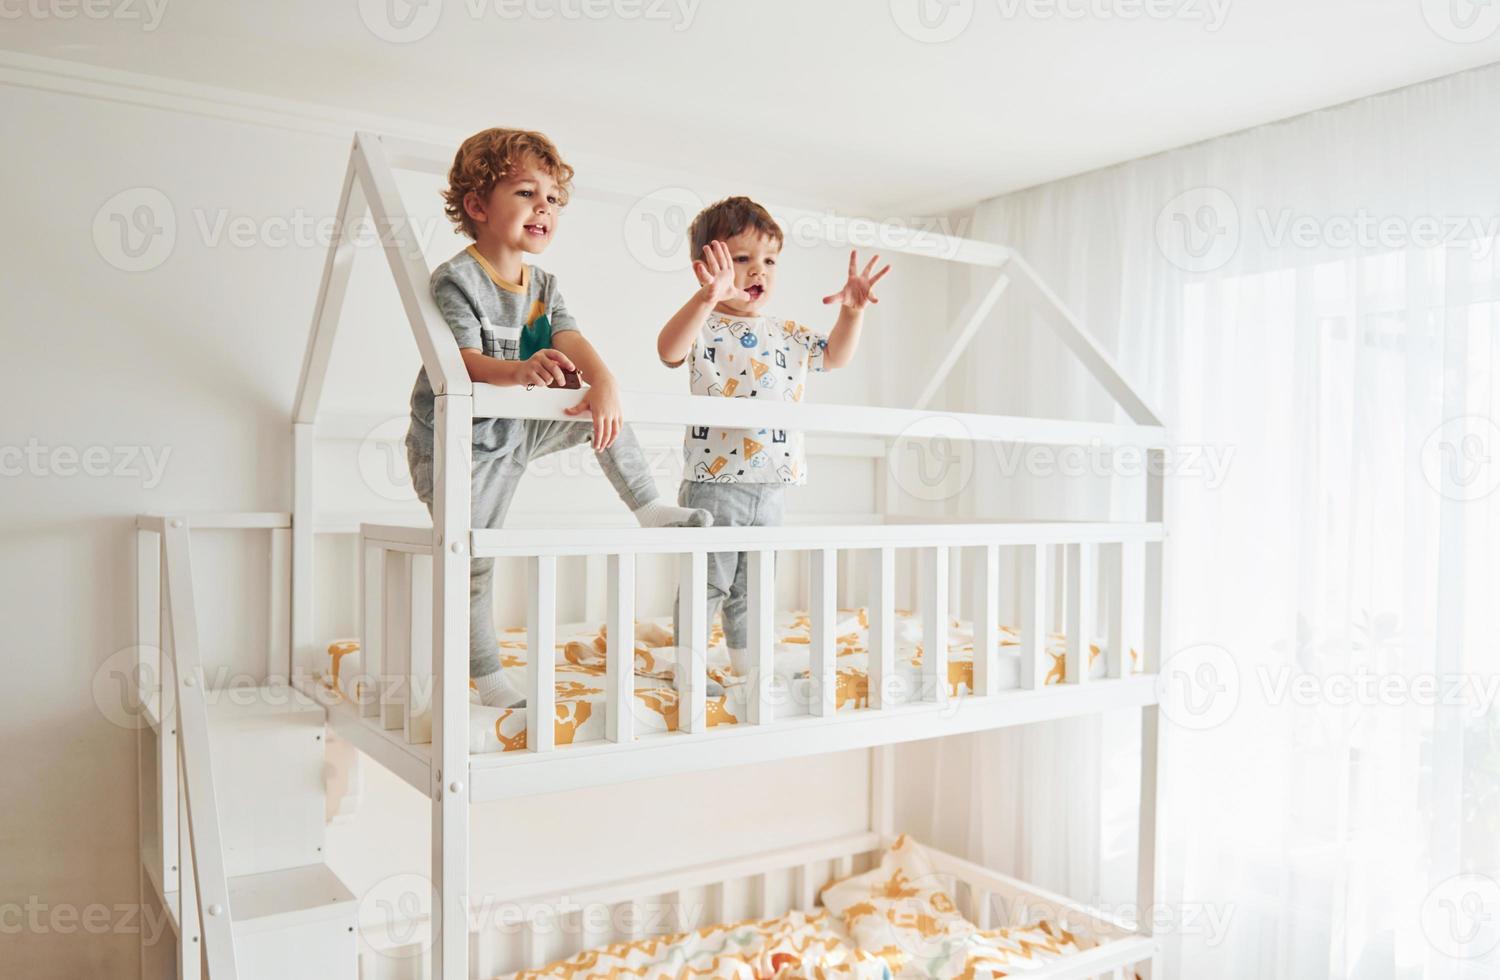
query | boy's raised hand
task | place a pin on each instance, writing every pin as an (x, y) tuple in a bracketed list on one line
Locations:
[(715, 273), (857, 290)]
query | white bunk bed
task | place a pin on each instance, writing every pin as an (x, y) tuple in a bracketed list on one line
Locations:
[(259, 898)]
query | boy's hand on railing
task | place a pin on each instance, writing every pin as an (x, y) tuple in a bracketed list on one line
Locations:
[(716, 274), (602, 401), (857, 290), (544, 368)]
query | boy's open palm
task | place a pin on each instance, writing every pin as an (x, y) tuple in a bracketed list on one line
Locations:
[(602, 403), (857, 290), (716, 274)]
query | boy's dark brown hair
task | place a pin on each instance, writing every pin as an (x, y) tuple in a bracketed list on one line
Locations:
[(724, 219), (488, 157)]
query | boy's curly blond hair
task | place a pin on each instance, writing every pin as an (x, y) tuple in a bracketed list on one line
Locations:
[(488, 157), (724, 219)]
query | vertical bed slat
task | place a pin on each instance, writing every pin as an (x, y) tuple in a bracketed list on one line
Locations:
[(987, 621), (279, 649), (935, 623), (1080, 616), (1059, 569), (691, 674), (533, 953), (762, 634), (983, 914), (632, 914), (416, 714), (371, 614), (1033, 616), (804, 887), (763, 895), (823, 666), (541, 653), (1112, 569), (619, 662), (882, 659), (393, 653)]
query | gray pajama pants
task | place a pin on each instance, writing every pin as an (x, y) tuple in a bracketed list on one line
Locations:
[(732, 505), (494, 484)]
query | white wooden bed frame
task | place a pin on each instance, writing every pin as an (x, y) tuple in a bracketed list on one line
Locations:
[(1060, 567)]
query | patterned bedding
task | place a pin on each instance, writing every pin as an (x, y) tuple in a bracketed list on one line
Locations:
[(789, 947), (580, 670), (804, 946)]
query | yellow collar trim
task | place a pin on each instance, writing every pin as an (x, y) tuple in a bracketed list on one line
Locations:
[(496, 278)]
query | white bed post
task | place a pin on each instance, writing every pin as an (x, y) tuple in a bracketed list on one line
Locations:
[(303, 646), (619, 661), (1148, 873), (762, 635), (330, 303), (453, 428), (986, 618), (934, 592)]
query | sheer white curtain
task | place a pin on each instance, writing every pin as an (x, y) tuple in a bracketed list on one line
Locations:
[(1314, 306)]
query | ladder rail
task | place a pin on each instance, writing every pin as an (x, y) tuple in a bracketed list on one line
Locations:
[(200, 803)]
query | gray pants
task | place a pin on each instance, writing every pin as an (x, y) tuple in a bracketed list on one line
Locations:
[(733, 505), (494, 484)]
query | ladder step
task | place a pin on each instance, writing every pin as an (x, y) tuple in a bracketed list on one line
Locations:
[(290, 924)]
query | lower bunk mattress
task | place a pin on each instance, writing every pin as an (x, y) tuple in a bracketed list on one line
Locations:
[(894, 922), (579, 666)]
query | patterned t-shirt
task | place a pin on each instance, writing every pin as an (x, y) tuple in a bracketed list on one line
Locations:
[(749, 357), (503, 319)]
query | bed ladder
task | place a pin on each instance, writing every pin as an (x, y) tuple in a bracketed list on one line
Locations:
[(234, 854)]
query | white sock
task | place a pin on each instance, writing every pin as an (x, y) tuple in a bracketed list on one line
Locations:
[(739, 660), (660, 514), (497, 692)]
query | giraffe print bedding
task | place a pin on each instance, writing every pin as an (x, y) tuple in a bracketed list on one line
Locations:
[(579, 665)]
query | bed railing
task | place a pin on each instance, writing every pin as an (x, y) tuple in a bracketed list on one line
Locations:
[(397, 610), (526, 933)]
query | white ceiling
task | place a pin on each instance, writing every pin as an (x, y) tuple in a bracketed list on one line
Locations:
[(833, 99)]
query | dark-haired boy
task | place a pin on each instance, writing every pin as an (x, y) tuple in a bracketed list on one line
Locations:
[(735, 349)]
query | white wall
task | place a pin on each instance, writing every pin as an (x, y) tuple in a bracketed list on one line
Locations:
[(197, 359)]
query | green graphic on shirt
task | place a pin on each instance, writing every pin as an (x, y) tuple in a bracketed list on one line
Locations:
[(535, 336)]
